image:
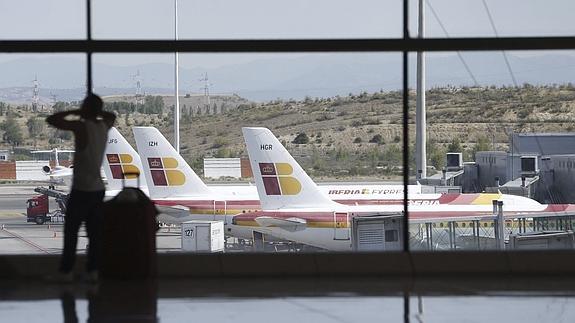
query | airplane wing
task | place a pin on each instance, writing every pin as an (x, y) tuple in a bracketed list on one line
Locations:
[(289, 224), (61, 174), (176, 211), (173, 214)]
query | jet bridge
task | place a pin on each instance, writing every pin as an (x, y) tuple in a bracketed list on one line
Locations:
[(524, 186)]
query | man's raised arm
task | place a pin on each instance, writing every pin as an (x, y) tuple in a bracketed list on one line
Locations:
[(109, 118), (59, 120)]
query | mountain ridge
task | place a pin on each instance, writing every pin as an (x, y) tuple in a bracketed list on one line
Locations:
[(319, 75)]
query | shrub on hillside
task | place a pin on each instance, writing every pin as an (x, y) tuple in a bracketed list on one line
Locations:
[(301, 138), (377, 139)]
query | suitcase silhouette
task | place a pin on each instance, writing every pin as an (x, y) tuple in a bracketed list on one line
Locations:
[(128, 242)]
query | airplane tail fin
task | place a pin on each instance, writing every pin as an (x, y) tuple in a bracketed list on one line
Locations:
[(121, 158), (167, 173), (280, 180)]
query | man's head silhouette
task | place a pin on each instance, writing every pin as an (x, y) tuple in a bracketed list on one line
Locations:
[(92, 106)]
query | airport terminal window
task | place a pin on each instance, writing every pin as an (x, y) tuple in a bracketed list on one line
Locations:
[(345, 109), (43, 20), (489, 18), (298, 19)]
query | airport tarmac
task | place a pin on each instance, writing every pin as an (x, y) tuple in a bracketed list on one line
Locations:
[(19, 237), (13, 198)]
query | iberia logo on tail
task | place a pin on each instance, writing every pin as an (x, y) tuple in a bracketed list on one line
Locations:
[(277, 179), (164, 172), (121, 164)]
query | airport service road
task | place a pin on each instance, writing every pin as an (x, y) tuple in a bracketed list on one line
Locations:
[(13, 198), (19, 237)]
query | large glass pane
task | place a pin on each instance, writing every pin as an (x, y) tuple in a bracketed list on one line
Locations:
[(498, 129), (31, 88), (338, 115), (252, 19), (502, 307), (489, 18), (42, 19)]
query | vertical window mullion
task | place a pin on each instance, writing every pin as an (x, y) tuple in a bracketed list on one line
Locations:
[(405, 128), (89, 85)]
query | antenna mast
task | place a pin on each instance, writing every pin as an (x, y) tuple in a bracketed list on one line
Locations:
[(206, 88), (35, 95), (139, 96)]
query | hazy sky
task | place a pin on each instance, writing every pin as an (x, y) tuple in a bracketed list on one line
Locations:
[(154, 19)]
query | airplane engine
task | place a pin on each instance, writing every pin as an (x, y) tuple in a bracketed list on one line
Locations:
[(46, 169)]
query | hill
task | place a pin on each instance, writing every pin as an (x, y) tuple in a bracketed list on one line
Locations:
[(360, 135)]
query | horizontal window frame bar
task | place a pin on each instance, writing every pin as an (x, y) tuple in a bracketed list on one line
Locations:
[(287, 45)]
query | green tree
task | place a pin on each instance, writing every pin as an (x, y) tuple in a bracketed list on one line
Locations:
[(36, 127), (153, 105), (12, 131), (436, 155), (373, 157), (301, 138), (63, 134), (120, 107), (455, 146), (393, 155), (317, 160), (61, 106), (3, 108), (482, 144), (159, 101)]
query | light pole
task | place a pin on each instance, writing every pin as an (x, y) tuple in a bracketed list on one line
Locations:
[(420, 119), (176, 87)]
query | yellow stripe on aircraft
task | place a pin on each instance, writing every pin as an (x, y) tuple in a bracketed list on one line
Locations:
[(486, 198)]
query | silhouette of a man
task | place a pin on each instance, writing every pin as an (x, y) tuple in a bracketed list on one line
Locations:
[(90, 126)]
